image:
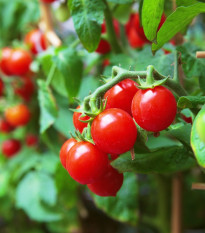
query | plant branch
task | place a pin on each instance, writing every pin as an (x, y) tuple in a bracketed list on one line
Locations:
[(112, 38)]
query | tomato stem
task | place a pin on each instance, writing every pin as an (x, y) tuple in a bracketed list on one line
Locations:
[(112, 38)]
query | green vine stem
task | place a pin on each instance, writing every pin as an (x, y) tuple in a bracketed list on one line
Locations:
[(112, 38), (119, 74)]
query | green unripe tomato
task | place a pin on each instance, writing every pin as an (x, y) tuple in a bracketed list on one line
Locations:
[(200, 125), (62, 13)]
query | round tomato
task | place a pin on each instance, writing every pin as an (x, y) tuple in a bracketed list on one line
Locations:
[(114, 131), (5, 127), (19, 62), (104, 46), (11, 147), (79, 125), (31, 140), (121, 95), (18, 115), (86, 163), (1, 87), (24, 87), (4, 62), (154, 109), (109, 184), (65, 149), (36, 40), (135, 40)]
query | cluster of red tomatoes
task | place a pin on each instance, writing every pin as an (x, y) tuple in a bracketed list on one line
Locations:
[(114, 132), (15, 65)]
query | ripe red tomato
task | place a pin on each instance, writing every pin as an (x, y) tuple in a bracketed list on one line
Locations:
[(24, 87), (154, 109), (109, 184), (31, 140), (36, 40), (104, 46), (18, 115), (19, 62), (1, 87), (4, 62), (121, 95), (65, 149), (187, 119), (5, 127), (114, 131), (86, 163), (79, 125), (48, 1), (11, 147)]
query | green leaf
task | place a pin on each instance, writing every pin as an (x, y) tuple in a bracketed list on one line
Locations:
[(87, 16), (197, 144), (123, 207), (185, 2), (48, 108), (192, 66), (121, 1), (190, 101), (162, 161), (70, 65), (176, 22), (122, 13), (162, 63), (151, 17), (36, 194)]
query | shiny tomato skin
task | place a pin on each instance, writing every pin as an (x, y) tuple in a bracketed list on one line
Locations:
[(5, 127), (10, 147), (109, 184), (4, 62), (114, 131), (36, 40), (1, 87), (121, 95), (31, 140), (86, 163), (18, 115), (154, 109), (19, 62), (65, 149), (79, 125)]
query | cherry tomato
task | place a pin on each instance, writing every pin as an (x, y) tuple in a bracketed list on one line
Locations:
[(114, 131), (18, 115), (48, 1), (135, 40), (154, 109), (4, 62), (106, 62), (11, 147), (79, 125), (104, 46), (31, 140), (5, 127), (36, 40), (109, 184), (24, 87), (121, 95), (86, 163), (65, 149), (1, 87), (187, 119), (19, 62), (113, 156)]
